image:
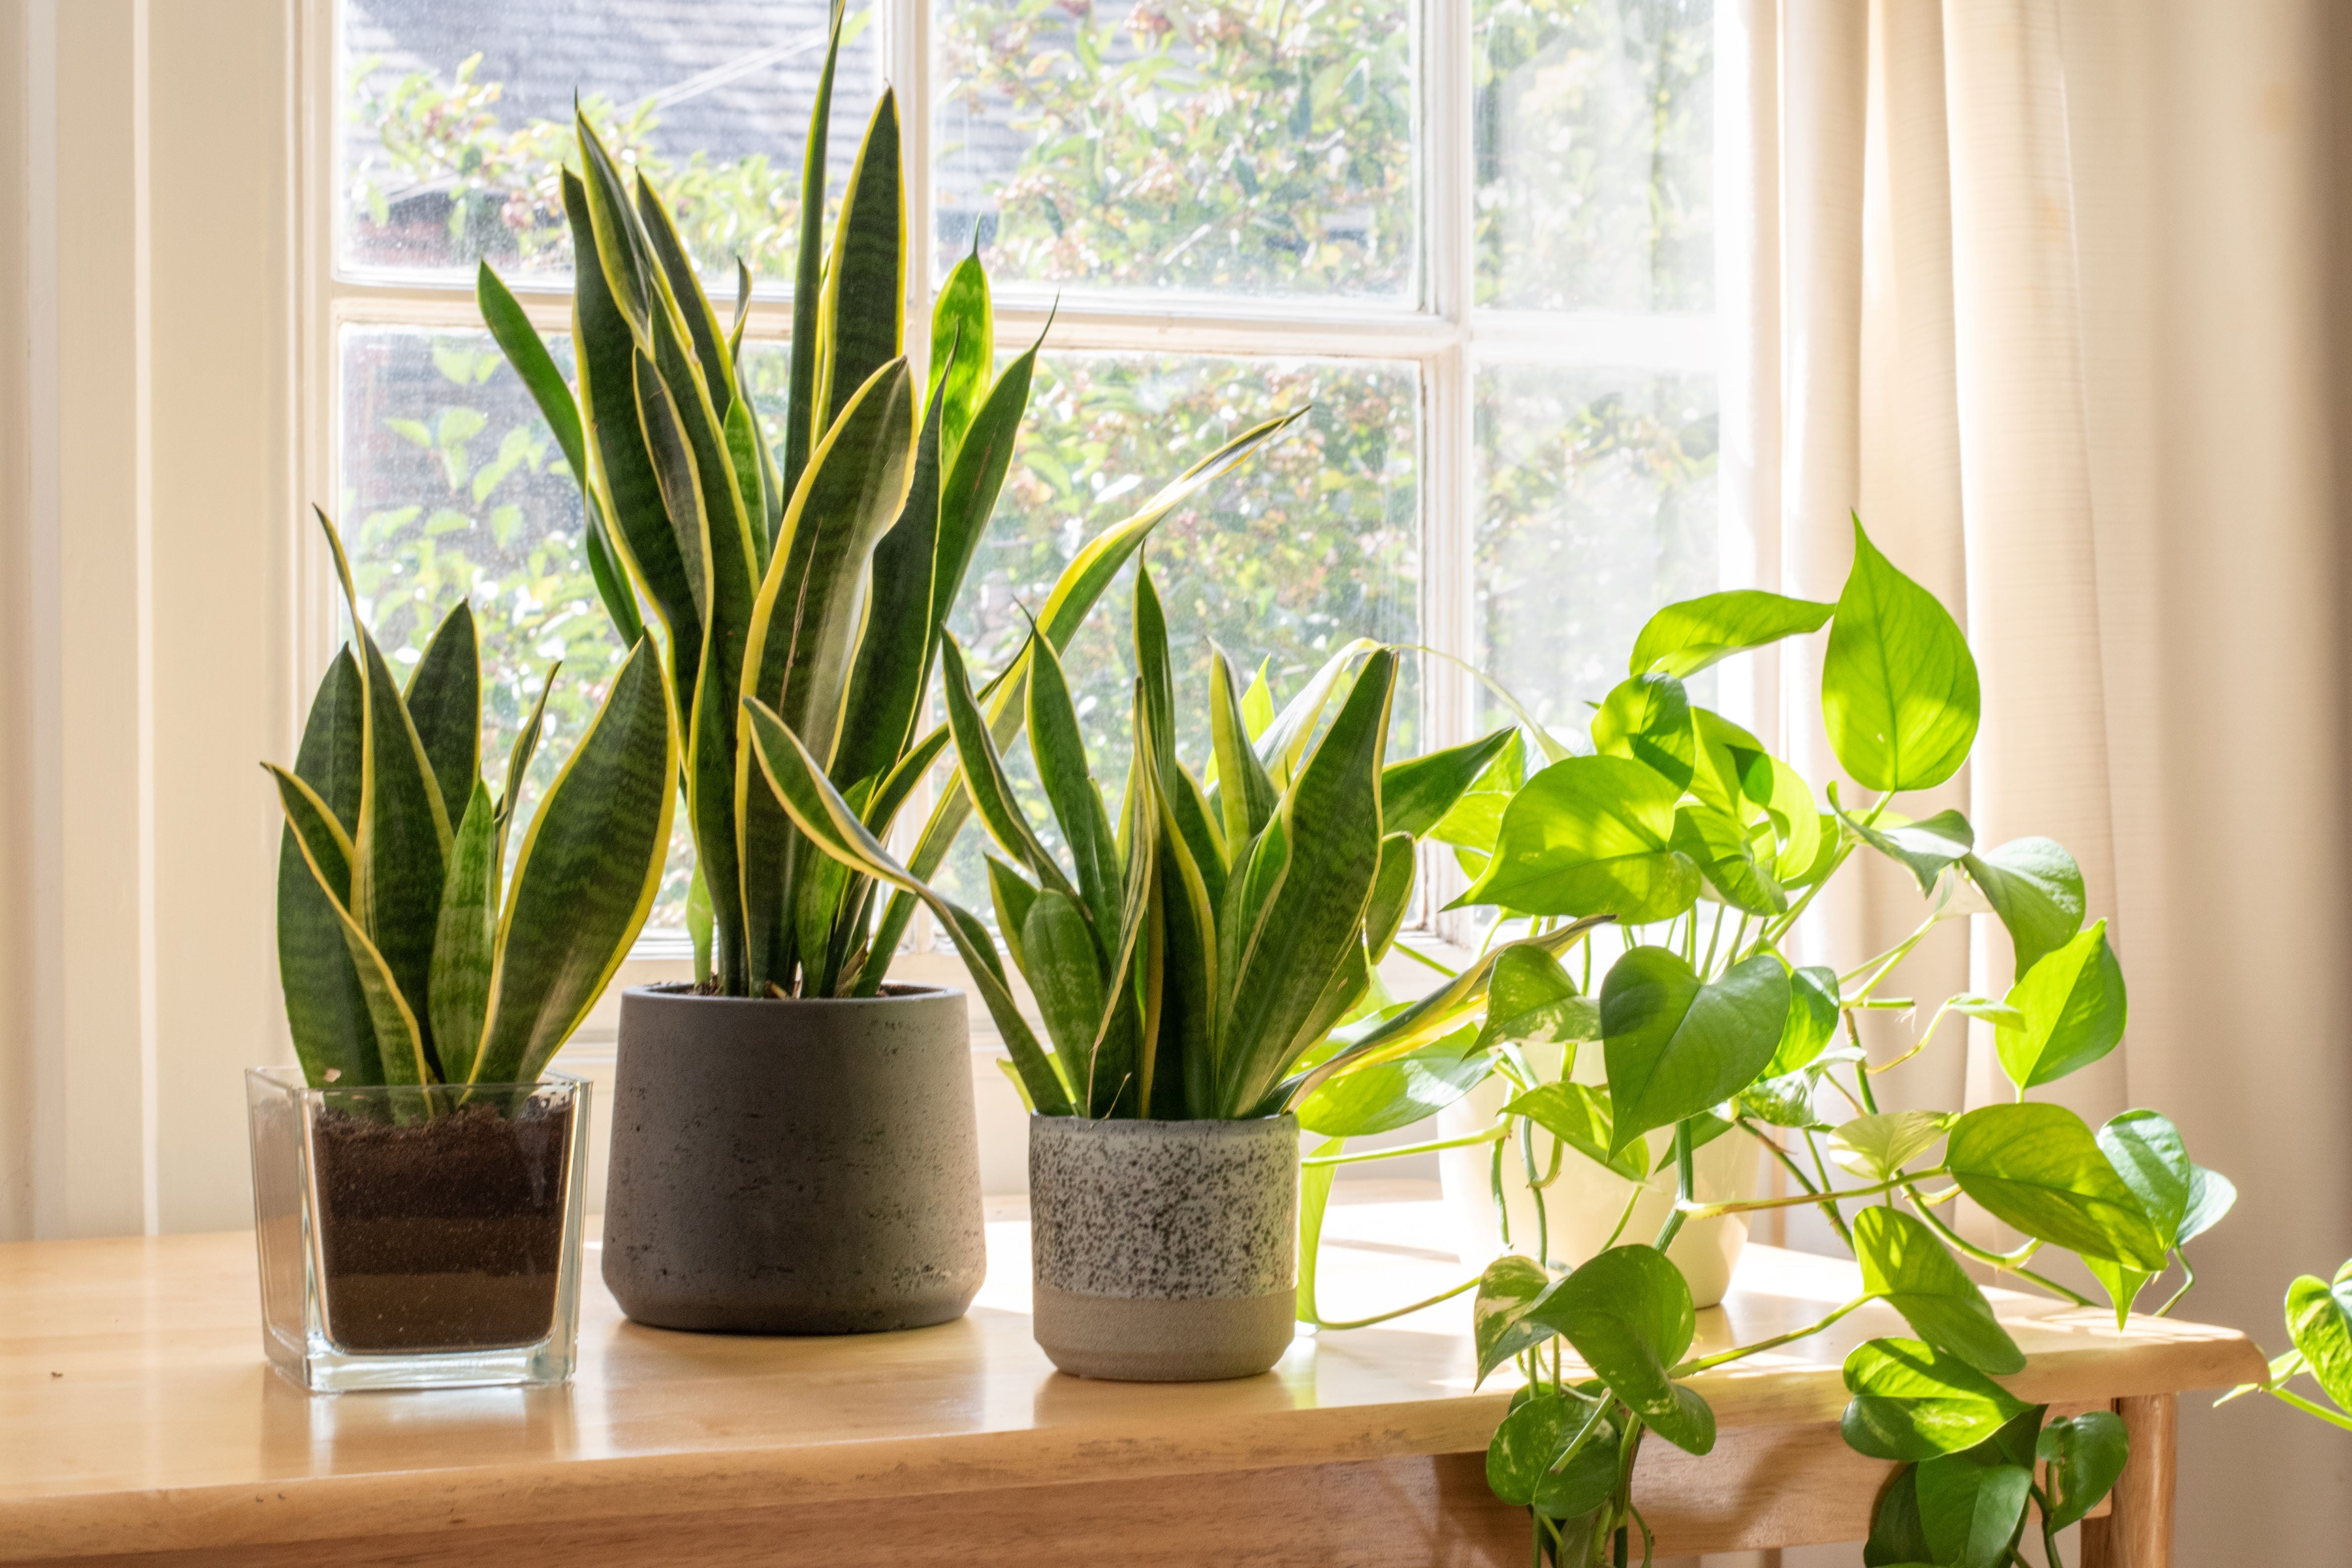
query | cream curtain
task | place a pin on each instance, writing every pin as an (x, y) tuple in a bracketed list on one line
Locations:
[(2041, 289)]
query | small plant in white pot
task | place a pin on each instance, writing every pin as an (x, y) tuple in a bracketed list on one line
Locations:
[(418, 1179), (1190, 959), (794, 1146)]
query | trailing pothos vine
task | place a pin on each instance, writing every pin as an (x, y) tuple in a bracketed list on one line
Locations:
[(1700, 851)]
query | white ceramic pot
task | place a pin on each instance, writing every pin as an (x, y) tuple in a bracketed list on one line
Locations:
[(1582, 1206)]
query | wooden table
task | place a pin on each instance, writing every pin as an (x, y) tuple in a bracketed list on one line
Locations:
[(139, 1423)]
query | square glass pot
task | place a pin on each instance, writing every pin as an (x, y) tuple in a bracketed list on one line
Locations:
[(418, 1237)]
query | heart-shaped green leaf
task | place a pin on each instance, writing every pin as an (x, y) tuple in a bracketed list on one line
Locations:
[(1648, 719), (2036, 888), (1590, 836), (2085, 1453), (2211, 1195), (1786, 1101), (1969, 1506), (2074, 1010), (1726, 753), (1500, 1325), (1477, 819), (1897, 1538), (1877, 1146), (1628, 1313), (1898, 684), (1813, 1018), (1727, 857), (2319, 1319), (1684, 637), (1582, 1117), (1904, 1264), (2146, 1150), (1676, 1047), (2037, 1167), (1531, 1441), (1788, 802), (1531, 998), (1914, 1402), (1924, 848)]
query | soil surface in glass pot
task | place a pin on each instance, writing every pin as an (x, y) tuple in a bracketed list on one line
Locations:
[(446, 1234)]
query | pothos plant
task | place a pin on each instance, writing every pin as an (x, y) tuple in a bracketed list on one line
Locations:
[(1190, 957), (2319, 1333), (817, 579), (1707, 849)]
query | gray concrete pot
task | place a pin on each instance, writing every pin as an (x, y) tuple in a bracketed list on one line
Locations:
[(801, 1166), (1164, 1252)]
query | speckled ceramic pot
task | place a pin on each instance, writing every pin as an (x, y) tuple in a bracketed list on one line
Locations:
[(1164, 1252)]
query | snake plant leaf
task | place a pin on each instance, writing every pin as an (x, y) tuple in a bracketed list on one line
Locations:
[(886, 683), (1972, 1503), (1628, 1313), (1726, 856), (1391, 896), (1648, 719), (519, 755), (401, 1055), (1875, 1146), (1418, 793), (1089, 575), (803, 424), (617, 239), (743, 315), (444, 703), (1182, 972), (1592, 835), (1684, 637), (403, 831), (2037, 1166), (973, 477), (1064, 966), (1898, 684), (1393, 1094), (745, 446), (1675, 1045), (466, 941), (586, 876), (2086, 1454), (863, 324), (2319, 1320), (1314, 921), (796, 656), (1923, 848), (1344, 996), (326, 1010), (1154, 669), (1257, 702), (1904, 1265), (1524, 1461), (963, 340), (1813, 1005), (818, 811), (769, 520), (1245, 793), (1500, 1326), (1059, 751), (2074, 1007), (984, 776), (2036, 888), (627, 490), (1911, 1401), (1529, 998), (1283, 743), (818, 897), (685, 293), (1584, 1118), (1011, 894)]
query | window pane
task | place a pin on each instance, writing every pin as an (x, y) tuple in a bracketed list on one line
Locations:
[(1595, 128), (1313, 541), (455, 117), (454, 488), (1254, 146), (1598, 493)]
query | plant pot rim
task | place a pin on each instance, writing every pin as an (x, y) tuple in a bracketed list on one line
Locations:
[(284, 1076), (1206, 1126), (893, 991)]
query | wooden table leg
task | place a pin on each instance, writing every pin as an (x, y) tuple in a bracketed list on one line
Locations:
[(2138, 1534)]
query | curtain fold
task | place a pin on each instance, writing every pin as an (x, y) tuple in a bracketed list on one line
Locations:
[(2046, 290)]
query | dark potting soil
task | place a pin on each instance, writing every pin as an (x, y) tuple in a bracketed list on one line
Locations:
[(444, 1233)]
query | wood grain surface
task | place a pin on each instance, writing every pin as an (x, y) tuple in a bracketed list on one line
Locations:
[(137, 1415)]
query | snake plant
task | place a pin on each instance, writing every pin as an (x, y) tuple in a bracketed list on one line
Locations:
[(818, 580), (1186, 960), (403, 959)]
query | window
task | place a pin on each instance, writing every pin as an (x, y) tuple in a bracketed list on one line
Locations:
[(1475, 233)]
